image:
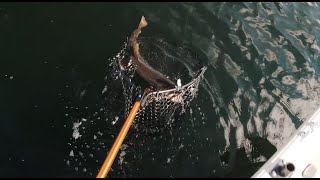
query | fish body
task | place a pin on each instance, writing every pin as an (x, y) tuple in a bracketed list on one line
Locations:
[(152, 76)]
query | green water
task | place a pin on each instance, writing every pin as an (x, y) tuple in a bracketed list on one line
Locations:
[(262, 82)]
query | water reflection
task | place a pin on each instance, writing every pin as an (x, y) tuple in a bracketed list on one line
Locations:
[(262, 83)]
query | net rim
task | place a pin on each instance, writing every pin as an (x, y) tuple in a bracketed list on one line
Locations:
[(145, 96)]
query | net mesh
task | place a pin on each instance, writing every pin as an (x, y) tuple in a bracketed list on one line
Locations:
[(158, 107)]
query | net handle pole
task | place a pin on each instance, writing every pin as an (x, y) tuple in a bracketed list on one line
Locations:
[(119, 140)]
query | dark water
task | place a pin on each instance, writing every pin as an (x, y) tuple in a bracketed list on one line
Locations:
[(61, 106)]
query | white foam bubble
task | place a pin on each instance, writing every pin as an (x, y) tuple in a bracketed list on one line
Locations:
[(71, 153), (75, 128)]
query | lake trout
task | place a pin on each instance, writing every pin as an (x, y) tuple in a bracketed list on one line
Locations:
[(152, 76)]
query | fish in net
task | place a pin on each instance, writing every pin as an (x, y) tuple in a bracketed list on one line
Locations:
[(159, 105)]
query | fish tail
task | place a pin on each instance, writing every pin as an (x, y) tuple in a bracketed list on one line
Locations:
[(143, 23)]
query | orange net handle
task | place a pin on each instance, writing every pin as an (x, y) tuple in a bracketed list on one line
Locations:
[(105, 168)]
